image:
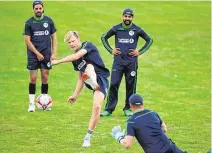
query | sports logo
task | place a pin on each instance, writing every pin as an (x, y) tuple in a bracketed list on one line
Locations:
[(83, 63), (48, 64), (45, 25), (125, 41), (46, 32), (131, 41), (131, 33), (133, 73), (41, 33)]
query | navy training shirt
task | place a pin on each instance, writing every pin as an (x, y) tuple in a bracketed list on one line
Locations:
[(126, 39), (146, 127), (91, 57), (40, 32)]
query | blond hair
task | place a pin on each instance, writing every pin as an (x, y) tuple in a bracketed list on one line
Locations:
[(70, 34)]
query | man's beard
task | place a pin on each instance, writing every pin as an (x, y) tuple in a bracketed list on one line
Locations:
[(39, 14), (127, 22)]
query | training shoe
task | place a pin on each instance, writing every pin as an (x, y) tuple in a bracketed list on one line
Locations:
[(128, 112), (31, 108), (94, 85), (105, 113), (87, 142)]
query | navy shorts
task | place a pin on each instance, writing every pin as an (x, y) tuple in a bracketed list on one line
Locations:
[(102, 82), (34, 64), (174, 148)]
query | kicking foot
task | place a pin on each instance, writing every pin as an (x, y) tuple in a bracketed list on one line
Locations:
[(87, 142)]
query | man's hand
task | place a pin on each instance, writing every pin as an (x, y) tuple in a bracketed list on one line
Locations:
[(72, 99), (134, 52), (39, 56), (117, 133), (54, 62), (53, 57), (116, 51)]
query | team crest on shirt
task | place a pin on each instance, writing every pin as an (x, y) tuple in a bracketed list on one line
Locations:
[(131, 32), (45, 25), (133, 73)]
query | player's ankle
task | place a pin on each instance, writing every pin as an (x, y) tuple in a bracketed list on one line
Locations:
[(89, 133)]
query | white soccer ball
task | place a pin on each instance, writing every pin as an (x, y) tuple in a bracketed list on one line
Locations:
[(44, 101)]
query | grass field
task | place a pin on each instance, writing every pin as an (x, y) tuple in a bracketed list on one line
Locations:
[(173, 77)]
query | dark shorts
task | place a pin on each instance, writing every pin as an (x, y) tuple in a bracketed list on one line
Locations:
[(174, 148), (34, 64), (103, 83)]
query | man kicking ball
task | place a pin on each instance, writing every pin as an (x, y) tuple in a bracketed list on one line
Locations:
[(91, 72)]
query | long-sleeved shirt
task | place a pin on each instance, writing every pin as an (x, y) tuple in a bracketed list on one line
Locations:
[(126, 40)]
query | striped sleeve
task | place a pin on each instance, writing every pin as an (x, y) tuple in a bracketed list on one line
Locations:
[(105, 38), (148, 40)]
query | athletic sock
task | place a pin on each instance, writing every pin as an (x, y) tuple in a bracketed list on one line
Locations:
[(31, 98), (32, 88), (89, 133), (44, 88)]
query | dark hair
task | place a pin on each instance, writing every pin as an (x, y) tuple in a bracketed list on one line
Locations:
[(36, 2)]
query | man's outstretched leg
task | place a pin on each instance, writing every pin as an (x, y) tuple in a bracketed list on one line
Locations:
[(90, 77), (98, 100)]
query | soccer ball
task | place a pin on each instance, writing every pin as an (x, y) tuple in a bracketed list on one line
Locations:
[(44, 101)]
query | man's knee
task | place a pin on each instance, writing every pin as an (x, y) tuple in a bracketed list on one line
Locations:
[(33, 79), (97, 107), (44, 79), (44, 76), (89, 68), (114, 84)]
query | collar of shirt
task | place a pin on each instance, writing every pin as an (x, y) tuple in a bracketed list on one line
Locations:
[(125, 26), (38, 19), (139, 111)]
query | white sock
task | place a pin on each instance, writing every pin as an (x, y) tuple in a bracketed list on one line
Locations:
[(31, 98), (88, 135)]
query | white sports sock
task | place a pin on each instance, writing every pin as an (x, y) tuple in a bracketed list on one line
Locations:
[(31, 98), (88, 135)]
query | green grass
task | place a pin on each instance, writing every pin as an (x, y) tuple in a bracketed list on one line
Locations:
[(173, 77)]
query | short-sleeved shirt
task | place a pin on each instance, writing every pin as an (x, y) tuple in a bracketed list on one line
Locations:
[(91, 57), (146, 127), (40, 32)]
